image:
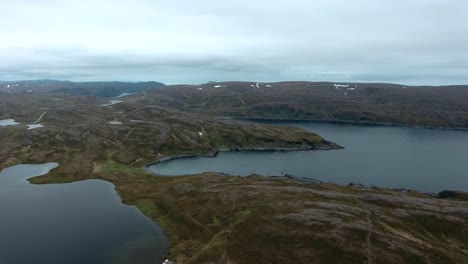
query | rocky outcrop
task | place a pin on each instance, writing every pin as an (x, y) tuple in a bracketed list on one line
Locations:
[(447, 194)]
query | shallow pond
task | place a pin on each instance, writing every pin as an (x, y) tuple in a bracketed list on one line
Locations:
[(8, 122), (112, 102)]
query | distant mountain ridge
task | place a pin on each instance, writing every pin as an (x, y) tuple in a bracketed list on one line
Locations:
[(375, 103), (100, 89), (372, 103)]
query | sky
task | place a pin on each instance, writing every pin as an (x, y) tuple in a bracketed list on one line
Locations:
[(188, 41)]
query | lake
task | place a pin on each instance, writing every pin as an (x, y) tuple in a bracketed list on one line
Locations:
[(8, 122), (82, 222), (112, 102), (428, 160)]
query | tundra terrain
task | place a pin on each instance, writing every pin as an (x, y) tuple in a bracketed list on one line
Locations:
[(213, 218)]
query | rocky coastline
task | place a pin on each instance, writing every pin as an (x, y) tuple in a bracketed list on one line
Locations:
[(326, 146)]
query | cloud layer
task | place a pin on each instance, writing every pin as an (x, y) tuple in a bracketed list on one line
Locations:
[(186, 41)]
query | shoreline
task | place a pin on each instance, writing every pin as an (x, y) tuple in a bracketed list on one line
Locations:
[(327, 146), (451, 195), (339, 122), (443, 194)]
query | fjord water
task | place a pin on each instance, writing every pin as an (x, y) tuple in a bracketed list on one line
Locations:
[(83, 222), (428, 160)]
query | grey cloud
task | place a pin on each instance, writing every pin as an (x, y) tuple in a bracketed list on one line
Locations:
[(414, 42)]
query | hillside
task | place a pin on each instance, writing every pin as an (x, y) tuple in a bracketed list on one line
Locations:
[(379, 103), (79, 132), (213, 218), (392, 104)]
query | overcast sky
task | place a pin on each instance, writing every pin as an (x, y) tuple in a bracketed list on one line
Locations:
[(188, 41)]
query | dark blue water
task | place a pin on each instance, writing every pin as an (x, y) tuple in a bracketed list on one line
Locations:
[(394, 157), (83, 222)]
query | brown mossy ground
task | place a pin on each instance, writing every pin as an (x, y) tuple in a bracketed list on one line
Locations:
[(229, 219), (77, 133), (225, 219), (427, 106)]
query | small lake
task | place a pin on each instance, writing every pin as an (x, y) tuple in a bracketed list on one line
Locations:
[(394, 157), (112, 102), (34, 126), (8, 122), (114, 123), (82, 222), (124, 94)]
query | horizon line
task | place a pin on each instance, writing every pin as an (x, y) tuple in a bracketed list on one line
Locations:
[(231, 81)]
